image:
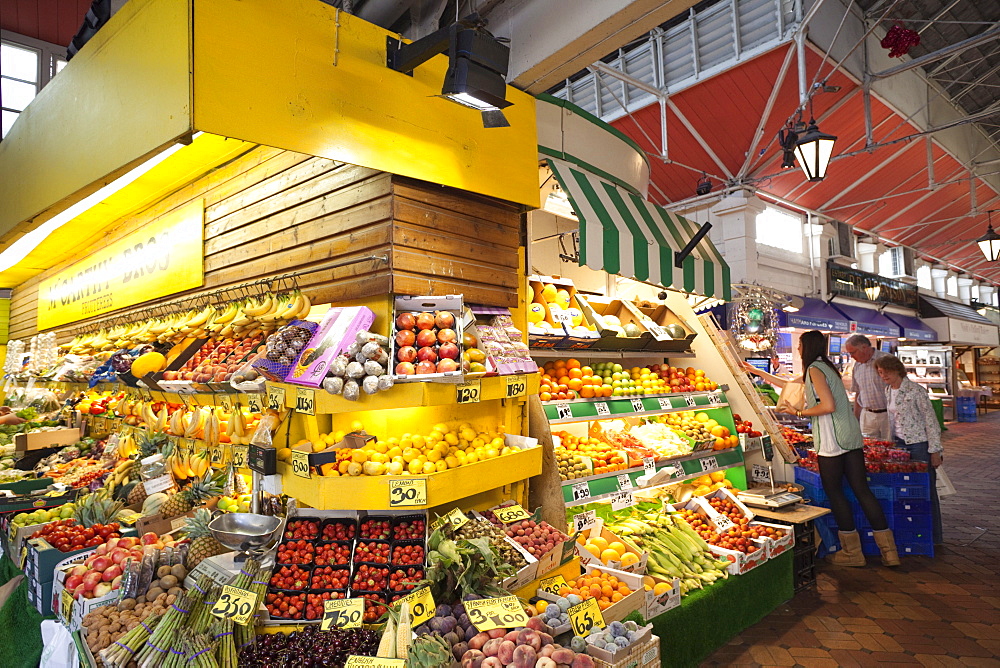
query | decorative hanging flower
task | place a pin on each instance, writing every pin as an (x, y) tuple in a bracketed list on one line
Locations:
[(900, 40), (754, 319)]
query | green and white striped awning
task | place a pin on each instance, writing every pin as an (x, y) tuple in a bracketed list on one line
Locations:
[(622, 233)]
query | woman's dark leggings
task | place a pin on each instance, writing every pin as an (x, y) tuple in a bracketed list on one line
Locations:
[(851, 464)]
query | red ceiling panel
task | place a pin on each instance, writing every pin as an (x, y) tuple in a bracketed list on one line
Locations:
[(54, 21)]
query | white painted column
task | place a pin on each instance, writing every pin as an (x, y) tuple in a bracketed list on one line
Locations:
[(939, 277), (735, 218), (986, 293), (868, 256), (965, 289)]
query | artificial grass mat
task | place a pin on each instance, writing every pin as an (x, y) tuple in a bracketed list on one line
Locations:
[(20, 623), (709, 617)]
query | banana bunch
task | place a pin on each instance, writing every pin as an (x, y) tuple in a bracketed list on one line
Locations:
[(123, 473), (126, 446), (184, 464), (675, 549), (267, 313), (236, 428)]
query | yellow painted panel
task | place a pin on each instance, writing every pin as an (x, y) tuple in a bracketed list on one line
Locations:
[(293, 79), (125, 95), (161, 258)]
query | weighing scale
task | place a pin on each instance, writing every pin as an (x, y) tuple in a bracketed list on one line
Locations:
[(768, 497)]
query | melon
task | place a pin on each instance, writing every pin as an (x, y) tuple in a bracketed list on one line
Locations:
[(632, 330), (151, 506), (148, 363), (676, 331)]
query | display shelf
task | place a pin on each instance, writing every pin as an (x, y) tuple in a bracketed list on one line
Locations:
[(562, 412), (555, 353), (584, 490), (368, 492)]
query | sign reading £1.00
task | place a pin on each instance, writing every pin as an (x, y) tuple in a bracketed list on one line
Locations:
[(159, 259)]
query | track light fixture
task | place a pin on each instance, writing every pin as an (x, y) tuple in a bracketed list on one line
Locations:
[(704, 185)]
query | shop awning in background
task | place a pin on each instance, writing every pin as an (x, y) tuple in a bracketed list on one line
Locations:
[(913, 328), (932, 307), (624, 234), (869, 321), (958, 323), (814, 314)]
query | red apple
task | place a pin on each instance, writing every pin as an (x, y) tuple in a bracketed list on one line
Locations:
[(80, 570), (111, 573), (101, 564), (406, 354), (102, 589), (127, 541), (444, 320), (405, 369), (101, 549), (427, 354), (116, 583), (447, 336), (448, 351), (446, 365), (405, 337), (405, 321), (73, 581), (426, 337), (118, 555), (149, 538), (80, 590), (425, 320), (426, 367), (91, 579)]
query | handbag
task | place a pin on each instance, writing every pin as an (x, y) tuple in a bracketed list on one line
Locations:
[(793, 396), (944, 486)]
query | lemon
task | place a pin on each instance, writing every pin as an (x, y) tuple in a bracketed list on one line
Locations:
[(433, 456), (394, 451), (415, 466), (472, 458), (451, 437), (505, 451), (359, 456), (328, 439), (440, 427), (419, 441), (461, 458), (380, 446), (468, 434), (478, 442), (440, 465), (406, 442), (492, 453), (394, 468), (497, 443), (357, 426), (319, 445), (284, 454), (429, 467), (398, 459), (435, 436), (338, 437), (452, 462), (410, 454)]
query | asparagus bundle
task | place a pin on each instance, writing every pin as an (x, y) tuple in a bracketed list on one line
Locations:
[(157, 648), (225, 646), (119, 653)]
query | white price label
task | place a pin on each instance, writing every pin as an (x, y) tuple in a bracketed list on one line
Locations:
[(584, 520), (743, 440), (659, 333), (602, 408), (562, 316), (624, 481), (581, 491), (665, 404), (563, 411), (622, 500), (708, 463), (714, 399), (649, 464), (637, 405), (760, 473), (160, 484), (722, 522), (689, 400)]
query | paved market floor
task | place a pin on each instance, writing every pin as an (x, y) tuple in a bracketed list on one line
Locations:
[(943, 611)]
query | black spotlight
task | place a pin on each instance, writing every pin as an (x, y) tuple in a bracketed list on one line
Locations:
[(704, 185)]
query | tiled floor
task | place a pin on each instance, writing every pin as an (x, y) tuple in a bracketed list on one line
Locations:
[(943, 611)]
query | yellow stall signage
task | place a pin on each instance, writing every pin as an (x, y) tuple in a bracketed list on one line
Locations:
[(159, 259)]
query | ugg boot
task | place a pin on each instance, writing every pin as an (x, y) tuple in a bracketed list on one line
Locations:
[(887, 546), (850, 550)]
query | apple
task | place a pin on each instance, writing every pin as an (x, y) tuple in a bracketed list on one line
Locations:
[(426, 337), (80, 570), (91, 579), (446, 365), (426, 367), (111, 573), (405, 369), (88, 593), (102, 589), (73, 581), (447, 336), (444, 320), (150, 538), (427, 354), (448, 351), (405, 337), (127, 541), (405, 321), (101, 564), (116, 583), (79, 591), (425, 320), (118, 555), (101, 549)]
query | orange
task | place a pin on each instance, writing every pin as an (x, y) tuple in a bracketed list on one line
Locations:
[(572, 363), (617, 547), (600, 542), (607, 591), (575, 384), (587, 392), (587, 371), (593, 549), (616, 597), (575, 373), (545, 396)]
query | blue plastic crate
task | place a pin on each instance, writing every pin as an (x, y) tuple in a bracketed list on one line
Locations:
[(914, 535), (915, 523), (913, 492), (911, 507), (915, 549), (883, 492), (807, 477)]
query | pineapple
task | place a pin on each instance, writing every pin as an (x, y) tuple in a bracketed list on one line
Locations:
[(149, 444), (203, 544), (97, 508), (199, 491)]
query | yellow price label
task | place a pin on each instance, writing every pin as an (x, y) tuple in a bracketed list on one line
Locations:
[(275, 397), (469, 393), (255, 403), (225, 402), (456, 518), (24, 556), (373, 662), (305, 401), (487, 614), (66, 604), (511, 514), (422, 606), (516, 385), (216, 454), (240, 455), (345, 613), (300, 464), (553, 584), (585, 616), (236, 604), (407, 492)]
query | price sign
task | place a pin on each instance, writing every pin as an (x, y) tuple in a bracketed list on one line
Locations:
[(602, 408), (516, 385), (255, 403), (553, 584), (216, 454), (624, 481), (760, 473), (240, 455), (159, 484), (487, 614), (714, 399), (649, 465), (275, 397), (457, 518), (407, 492), (722, 522), (581, 490), (743, 441), (563, 411), (66, 604), (708, 463), (422, 606), (373, 662), (622, 500), (300, 464), (225, 402), (637, 405), (585, 616), (468, 393), (305, 401), (511, 514), (563, 317), (659, 332), (585, 520), (665, 404), (236, 604), (345, 613), (689, 400)]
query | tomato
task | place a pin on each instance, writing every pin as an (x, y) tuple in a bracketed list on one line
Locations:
[(89, 533), (96, 540), (104, 532)]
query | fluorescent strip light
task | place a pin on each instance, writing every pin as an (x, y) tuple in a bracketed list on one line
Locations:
[(20, 249)]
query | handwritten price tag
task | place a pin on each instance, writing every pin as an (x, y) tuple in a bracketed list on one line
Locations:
[(511, 514), (714, 399), (649, 465), (622, 500), (584, 616), (345, 613), (240, 455), (305, 401), (708, 464), (496, 613), (255, 403), (689, 400), (665, 404), (422, 606), (235, 604), (275, 397), (456, 518), (563, 411), (624, 481), (300, 464), (637, 405), (407, 492), (581, 490), (602, 408), (659, 333), (225, 402), (722, 522), (468, 393), (553, 584), (373, 662), (516, 385), (216, 454)]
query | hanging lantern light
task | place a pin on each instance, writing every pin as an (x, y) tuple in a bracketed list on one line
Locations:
[(989, 243), (814, 150)]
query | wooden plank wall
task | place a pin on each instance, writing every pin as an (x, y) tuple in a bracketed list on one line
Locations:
[(272, 212)]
